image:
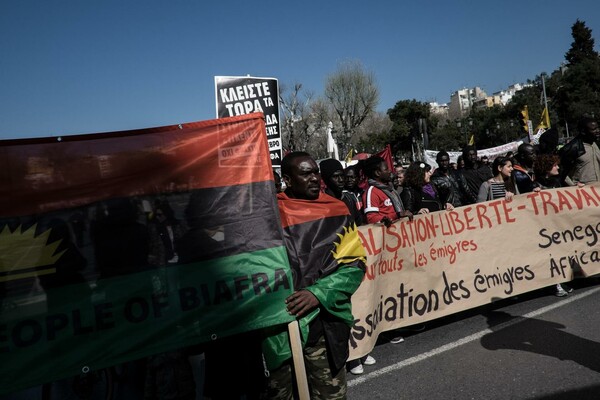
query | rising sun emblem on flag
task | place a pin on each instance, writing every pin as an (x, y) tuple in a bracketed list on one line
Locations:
[(349, 248), (23, 254)]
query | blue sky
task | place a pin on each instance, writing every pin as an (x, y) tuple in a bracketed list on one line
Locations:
[(85, 66)]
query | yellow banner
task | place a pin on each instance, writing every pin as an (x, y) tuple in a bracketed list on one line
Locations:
[(449, 261)]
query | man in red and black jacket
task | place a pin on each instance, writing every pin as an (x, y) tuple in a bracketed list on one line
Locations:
[(381, 202)]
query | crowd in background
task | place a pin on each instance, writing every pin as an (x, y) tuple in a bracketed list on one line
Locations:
[(377, 192)]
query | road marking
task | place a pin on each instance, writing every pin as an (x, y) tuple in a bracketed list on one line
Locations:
[(467, 339)]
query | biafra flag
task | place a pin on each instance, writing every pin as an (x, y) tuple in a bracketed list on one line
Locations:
[(328, 259), (117, 246)]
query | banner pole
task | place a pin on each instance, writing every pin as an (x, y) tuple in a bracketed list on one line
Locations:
[(298, 357)]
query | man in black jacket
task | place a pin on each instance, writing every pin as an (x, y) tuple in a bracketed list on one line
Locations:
[(449, 184), (473, 173), (523, 169), (580, 158)]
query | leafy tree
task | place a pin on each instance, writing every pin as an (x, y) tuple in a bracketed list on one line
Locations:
[(582, 47), (492, 126), (447, 137), (406, 129), (529, 96), (578, 92), (553, 86), (374, 134), (354, 95)]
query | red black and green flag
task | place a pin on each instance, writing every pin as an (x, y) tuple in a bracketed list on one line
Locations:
[(327, 258), (121, 245)]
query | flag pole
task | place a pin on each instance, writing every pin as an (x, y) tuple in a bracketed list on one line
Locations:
[(298, 358), (545, 98)]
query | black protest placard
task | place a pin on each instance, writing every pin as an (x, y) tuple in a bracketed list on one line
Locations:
[(239, 95)]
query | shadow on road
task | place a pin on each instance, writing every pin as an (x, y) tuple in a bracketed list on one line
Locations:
[(587, 393), (540, 337)]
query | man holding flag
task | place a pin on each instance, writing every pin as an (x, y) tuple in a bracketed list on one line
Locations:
[(328, 263)]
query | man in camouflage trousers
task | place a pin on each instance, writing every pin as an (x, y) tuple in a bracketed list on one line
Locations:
[(328, 263)]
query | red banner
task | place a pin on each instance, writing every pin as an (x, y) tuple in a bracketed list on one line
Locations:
[(41, 175)]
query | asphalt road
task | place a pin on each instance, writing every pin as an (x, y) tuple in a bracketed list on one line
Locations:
[(536, 346)]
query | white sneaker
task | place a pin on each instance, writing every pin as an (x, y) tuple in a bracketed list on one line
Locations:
[(560, 292), (397, 339), (358, 370), (369, 360)]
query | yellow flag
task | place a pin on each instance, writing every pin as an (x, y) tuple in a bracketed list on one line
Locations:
[(544, 121), (349, 156), (525, 119), (472, 140)]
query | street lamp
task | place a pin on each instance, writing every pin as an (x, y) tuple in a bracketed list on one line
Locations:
[(464, 130), (498, 132), (470, 127), (502, 127)]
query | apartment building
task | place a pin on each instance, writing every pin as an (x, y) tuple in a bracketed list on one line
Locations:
[(499, 98), (461, 101)]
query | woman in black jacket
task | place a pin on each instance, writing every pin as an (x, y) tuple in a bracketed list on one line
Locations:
[(419, 195)]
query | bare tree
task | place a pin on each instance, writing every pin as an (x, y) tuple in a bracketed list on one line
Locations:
[(316, 139), (295, 106), (354, 95), (304, 122)]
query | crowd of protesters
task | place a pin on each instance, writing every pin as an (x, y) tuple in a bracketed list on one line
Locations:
[(385, 195), (373, 191)]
